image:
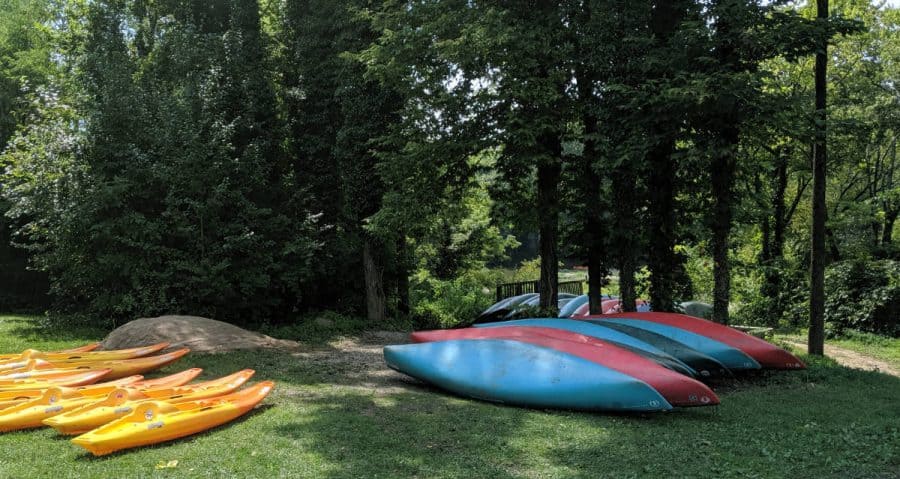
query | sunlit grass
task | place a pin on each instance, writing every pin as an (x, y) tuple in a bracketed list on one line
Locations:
[(323, 420)]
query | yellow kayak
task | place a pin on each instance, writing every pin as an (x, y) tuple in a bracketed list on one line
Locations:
[(153, 422), (11, 398), (60, 378), (122, 402), (119, 354), (36, 368), (80, 349), (18, 396), (56, 400)]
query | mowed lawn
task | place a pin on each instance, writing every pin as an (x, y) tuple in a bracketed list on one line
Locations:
[(325, 419)]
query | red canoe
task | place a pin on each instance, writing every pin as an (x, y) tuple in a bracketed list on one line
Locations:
[(679, 390), (765, 353)]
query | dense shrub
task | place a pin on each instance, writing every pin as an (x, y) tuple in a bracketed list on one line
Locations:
[(863, 295), (446, 303)]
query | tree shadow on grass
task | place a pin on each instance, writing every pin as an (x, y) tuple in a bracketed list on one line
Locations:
[(827, 421)]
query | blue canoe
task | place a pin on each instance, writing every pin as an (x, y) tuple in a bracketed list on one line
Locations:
[(523, 374), (731, 357), (571, 306), (620, 339)]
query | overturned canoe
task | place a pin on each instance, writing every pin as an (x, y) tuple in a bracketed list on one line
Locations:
[(623, 340), (158, 421), (121, 402), (732, 358), (678, 389), (523, 374), (766, 354)]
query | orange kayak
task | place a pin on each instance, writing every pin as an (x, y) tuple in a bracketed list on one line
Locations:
[(18, 396), (118, 368), (153, 422), (55, 400), (121, 402), (11, 398), (88, 356), (63, 378), (118, 354), (80, 349)]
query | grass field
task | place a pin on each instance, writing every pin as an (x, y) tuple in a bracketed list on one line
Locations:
[(328, 418)]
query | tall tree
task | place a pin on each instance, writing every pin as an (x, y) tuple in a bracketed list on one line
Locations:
[(664, 122), (816, 342)]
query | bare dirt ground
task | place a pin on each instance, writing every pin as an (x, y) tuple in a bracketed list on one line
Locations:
[(358, 362), (852, 359)]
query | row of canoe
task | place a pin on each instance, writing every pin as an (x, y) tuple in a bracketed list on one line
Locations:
[(60, 389), (620, 362)]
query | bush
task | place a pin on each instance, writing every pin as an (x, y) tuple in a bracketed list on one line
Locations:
[(446, 303), (863, 295)]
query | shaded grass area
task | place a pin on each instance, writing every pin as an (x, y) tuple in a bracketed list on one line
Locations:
[(330, 418)]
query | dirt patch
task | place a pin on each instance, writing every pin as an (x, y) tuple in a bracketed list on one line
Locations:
[(852, 359), (358, 363), (199, 334)]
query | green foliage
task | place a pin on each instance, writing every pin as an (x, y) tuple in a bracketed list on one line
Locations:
[(446, 303), (863, 296), (158, 187)]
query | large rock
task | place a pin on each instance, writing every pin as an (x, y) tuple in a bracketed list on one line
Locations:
[(199, 334)]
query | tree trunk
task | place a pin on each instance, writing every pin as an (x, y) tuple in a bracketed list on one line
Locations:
[(548, 173), (664, 20), (593, 235), (887, 234), (402, 275), (627, 295), (722, 180), (816, 341), (772, 285), (624, 206), (661, 257), (374, 277)]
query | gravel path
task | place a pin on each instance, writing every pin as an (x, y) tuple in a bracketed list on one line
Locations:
[(851, 359)]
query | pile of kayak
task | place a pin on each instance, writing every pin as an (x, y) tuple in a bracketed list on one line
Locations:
[(642, 362), (61, 389)]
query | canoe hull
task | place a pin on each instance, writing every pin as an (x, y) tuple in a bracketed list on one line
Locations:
[(766, 354), (677, 389), (156, 421), (119, 404), (730, 357), (643, 348), (522, 374)]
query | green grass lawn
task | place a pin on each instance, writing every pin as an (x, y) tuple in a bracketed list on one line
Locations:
[(325, 419)]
